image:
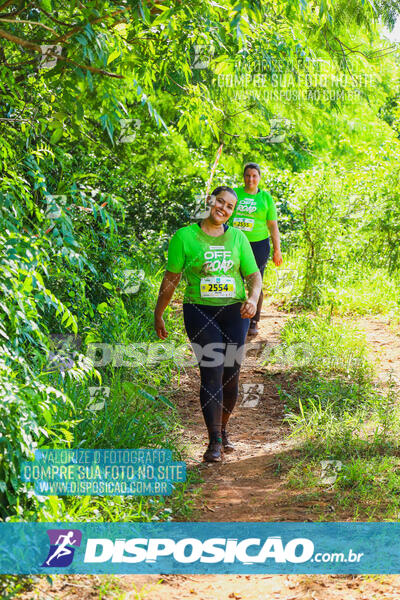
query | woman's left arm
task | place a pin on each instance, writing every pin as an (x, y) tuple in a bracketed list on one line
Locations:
[(276, 242), (249, 307), (167, 289)]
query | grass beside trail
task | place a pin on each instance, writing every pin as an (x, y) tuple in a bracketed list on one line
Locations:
[(354, 290), (102, 587), (337, 414), (137, 413)]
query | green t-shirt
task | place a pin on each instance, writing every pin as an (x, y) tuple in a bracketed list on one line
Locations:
[(212, 266), (252, 212)]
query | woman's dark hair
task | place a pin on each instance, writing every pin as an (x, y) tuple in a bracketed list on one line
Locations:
[(224, 188), (252, 166)]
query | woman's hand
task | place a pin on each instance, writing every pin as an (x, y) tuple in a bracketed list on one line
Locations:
[(277, 258), (248, 309), (276, 243), (159, 326), (167, 288)]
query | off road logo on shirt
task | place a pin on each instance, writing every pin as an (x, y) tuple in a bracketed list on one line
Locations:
[(248, 205), (217, 259)]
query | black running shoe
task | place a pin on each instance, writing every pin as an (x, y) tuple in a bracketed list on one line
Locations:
[(253, 329), (226, 443), (213, 452)]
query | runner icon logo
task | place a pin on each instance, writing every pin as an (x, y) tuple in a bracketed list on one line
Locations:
[(330, 470), (279, 127), (251, 394), (50, 54), (98, 397), (202, 209), (129, 128), (202, 55), (63, 351), (62, 547), (132, 280), (55, 204), (286, 278)]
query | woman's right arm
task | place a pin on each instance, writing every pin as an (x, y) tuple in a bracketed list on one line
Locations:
[(167, 289)]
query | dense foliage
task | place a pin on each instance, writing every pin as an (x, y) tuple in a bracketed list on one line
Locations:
[(110, 117)]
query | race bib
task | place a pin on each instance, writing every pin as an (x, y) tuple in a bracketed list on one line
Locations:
[(243, 224), (217, 287)]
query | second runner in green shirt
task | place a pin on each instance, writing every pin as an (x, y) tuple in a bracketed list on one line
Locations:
[(252, 213)]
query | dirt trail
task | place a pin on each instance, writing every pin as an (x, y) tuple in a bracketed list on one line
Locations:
[(384, 347), (248, 486)]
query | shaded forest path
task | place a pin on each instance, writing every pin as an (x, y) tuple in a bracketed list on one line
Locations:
[(249, 485), (384, 348), (245, 485)]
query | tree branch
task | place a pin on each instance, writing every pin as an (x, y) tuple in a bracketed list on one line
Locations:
[(77, 28), (37, 48), (16, 12), (33, 46), (5, 4), (228, 116), (176, 83), (16, 119), (18, 66), (16, 21), (89, 68), (351, 50), (21, 42), (265, 138), (54, 19)]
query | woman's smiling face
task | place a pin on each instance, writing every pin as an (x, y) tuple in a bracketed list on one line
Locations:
[(223, 207)]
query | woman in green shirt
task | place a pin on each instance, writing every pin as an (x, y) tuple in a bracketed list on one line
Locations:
[(214, 259), (255, 215)]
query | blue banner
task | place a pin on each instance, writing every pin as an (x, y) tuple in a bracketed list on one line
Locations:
[(199, 548)]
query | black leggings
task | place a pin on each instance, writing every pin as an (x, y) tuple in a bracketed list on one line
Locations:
[(261, 252), (219, 365)]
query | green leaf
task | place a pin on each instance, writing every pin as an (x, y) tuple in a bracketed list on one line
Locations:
[(164, 16), (46, 4), (166, 401), (113, 56), (69, 437), (56, 136), (47, 416), (102, 307), (79, 111), (146, 394)]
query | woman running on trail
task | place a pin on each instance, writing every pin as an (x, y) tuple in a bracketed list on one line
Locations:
[(255, 214), (214, 259)]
